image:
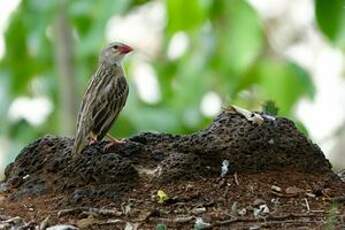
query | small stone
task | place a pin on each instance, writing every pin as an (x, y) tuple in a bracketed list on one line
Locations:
[(275, 201), (293, 190), (312, 195), (3, 187), (263, 210), (276, 188), (200, 223), (254, 227), (259, 202), (198, 211), (242, 212), (224, 168)]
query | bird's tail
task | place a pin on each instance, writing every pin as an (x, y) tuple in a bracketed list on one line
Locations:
[(78, 146)]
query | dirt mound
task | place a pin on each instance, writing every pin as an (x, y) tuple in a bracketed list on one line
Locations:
[(187, 166)]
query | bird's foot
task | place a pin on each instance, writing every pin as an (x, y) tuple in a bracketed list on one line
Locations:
[(113, 144), (92, 142)]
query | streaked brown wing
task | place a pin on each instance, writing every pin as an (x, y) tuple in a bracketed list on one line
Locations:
[(109, 104)]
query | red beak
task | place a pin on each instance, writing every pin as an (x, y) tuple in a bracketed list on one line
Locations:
[(125, 49)]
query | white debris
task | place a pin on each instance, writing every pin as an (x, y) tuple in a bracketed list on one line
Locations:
[(275, 201), (3, 187), (263, 210), (269, 117), (62, 227), (26, 176), (131, 226), (14, 220), (225, 168), (126, 209), (197, 211), (276, 188), (255, 227), (312, 195), (200, 224), (250, 116), (242, 212)]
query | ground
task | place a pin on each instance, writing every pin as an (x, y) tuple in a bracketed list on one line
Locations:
[(245, 171)]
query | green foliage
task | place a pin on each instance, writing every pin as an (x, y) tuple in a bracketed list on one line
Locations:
[(180, 10), (269, 107), (332, 217), (227, 54), (330, 17), (239, 37), (161, 227)]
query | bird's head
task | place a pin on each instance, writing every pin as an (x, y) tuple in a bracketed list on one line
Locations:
[(114, 52)]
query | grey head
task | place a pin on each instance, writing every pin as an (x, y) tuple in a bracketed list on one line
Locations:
[(114, 52)]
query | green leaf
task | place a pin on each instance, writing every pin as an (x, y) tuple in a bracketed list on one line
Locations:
[(330, 16), (304, 79), (269, 107), (161, 227)]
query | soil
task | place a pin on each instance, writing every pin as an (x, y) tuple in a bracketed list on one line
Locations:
[(239, 173)]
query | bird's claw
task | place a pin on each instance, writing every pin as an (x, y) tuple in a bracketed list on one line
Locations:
[(113, 144)]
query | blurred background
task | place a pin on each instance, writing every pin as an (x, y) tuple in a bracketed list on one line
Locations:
[(192, 57)]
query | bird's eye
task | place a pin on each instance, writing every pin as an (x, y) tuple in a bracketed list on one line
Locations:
[(115, 47)]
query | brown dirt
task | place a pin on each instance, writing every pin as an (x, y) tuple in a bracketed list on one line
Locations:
[(124, 181)]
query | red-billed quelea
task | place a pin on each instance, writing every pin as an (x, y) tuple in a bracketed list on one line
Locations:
[(104, 98)]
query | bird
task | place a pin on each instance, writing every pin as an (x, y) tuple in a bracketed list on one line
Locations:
[(104, 98)]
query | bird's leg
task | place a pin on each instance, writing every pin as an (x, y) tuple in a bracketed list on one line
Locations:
[(114, 140), (93, 139)]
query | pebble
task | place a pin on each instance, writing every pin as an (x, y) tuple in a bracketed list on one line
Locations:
[(276, 188), (242, 212), (198, 211)]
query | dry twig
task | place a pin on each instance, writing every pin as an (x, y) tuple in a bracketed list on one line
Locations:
[(183, 219), (236, 179), (270, 220), (89, 211)]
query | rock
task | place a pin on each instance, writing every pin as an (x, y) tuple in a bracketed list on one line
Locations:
[(243, 140)]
